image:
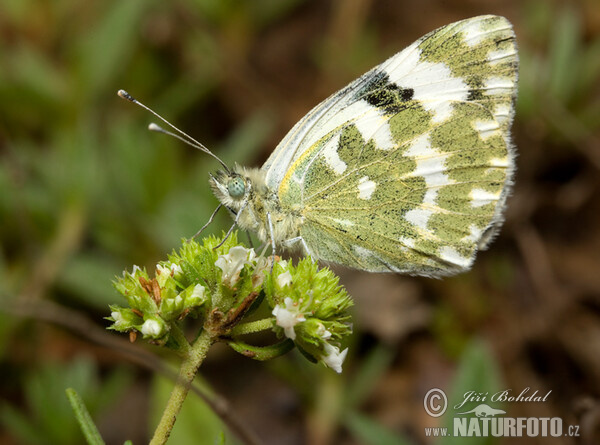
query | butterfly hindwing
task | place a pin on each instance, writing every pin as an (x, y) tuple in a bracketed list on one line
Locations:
[(408, 167)]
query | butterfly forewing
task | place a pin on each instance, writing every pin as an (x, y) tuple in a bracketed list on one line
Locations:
[(407, 168)]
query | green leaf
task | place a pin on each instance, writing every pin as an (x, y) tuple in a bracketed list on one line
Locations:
[(589, 75), (564, 55), (478, 372), (262, 353), (88, 428), (369, 374)]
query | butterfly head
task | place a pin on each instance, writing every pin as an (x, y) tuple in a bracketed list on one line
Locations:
[(231, 188)]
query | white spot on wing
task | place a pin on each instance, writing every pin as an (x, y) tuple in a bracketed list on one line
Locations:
[(433, 83), (361, 252), (442, 110), (430, 165), (496, 162), (502, 113), (452, 256), (353, 112), (487, 129), (474, 235), (418, 217), (332, 158), (366, 187), (343, 222), (498, 56), (473, 33), (421, 146), (375, 126), (498, 85), (481, 197), (407, 243)]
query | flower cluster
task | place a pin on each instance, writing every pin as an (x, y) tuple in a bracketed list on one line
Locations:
[(155, 302), (223, 284), (188, 284), (310, 308)]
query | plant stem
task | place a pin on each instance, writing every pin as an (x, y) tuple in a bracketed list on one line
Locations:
[(187, 372)]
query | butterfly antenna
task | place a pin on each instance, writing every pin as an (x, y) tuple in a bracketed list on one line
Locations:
[(182, 136)]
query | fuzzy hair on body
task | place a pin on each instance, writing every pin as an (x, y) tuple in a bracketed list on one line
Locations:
[(256, 205)]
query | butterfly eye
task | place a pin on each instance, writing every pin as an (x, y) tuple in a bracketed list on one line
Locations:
[(236, 187)]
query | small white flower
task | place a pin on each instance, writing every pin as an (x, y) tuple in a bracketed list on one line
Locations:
[(151, 328), (197, 296), (175, 269), (198, 292), (334, 358), (284, 279), (119, 320), (163, 273), (262, 264), (323, 333), (133, 271), (233, 263), (287, 317), (163, 270)]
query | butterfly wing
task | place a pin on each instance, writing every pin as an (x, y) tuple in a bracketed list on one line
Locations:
[(407, 168)]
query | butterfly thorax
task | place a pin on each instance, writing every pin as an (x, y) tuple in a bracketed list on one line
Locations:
[(244, 191)]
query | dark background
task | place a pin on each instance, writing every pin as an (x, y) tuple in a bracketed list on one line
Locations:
[(86, 191)]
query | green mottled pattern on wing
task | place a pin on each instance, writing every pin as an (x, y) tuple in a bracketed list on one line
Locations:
[(424, 204)]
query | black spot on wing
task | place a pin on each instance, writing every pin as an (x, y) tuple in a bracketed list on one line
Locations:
[(475, 94), (407, 94), (381, 93), (475, 89)]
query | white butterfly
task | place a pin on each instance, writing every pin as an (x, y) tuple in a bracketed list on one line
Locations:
[(407, 169)]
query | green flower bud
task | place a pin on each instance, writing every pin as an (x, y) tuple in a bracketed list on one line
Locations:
[(154, 327), (166, 274), (172, 308), (131, 287), (194, 296), (124, 319)]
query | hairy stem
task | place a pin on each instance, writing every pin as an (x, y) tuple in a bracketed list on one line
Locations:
[(187, 372)]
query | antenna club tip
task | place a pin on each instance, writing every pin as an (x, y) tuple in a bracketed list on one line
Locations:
[(125, 95), (155, 127)]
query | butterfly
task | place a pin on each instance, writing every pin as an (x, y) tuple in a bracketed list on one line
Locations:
[(407, 169)]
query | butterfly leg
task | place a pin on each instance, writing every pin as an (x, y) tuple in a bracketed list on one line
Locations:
[(272, 239), (207, 224), (290, 242), (237, 217)]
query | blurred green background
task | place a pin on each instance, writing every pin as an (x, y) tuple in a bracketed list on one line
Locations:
[(86, 191)]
